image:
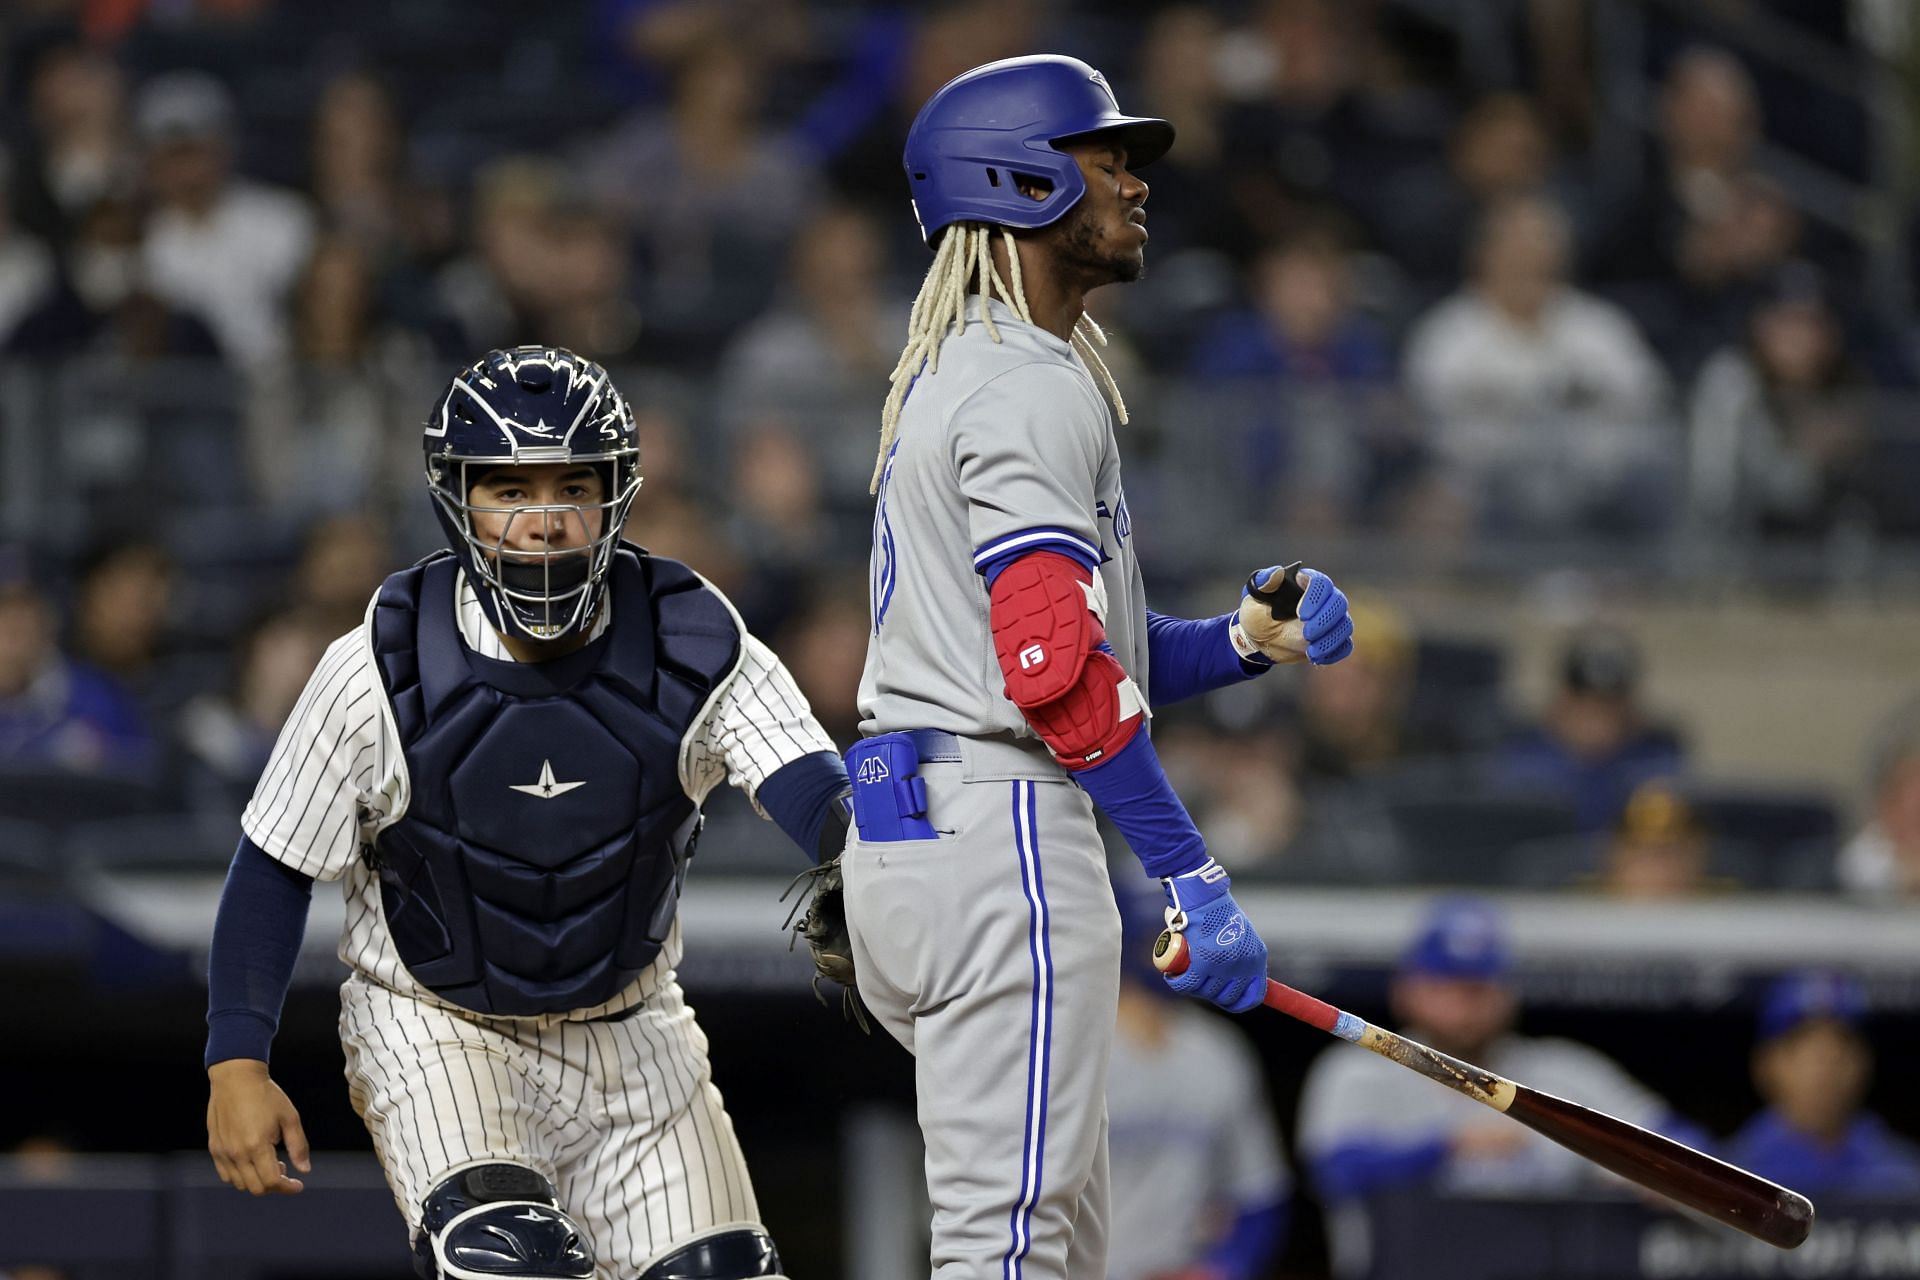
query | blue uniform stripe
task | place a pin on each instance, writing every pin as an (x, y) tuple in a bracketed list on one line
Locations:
[(1034, 540), (1040, 1031)]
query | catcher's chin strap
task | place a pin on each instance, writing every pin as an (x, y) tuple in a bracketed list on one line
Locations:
[(822, 915)]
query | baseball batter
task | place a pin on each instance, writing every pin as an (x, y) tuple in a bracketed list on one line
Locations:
[(1006, 683), (505, 765)]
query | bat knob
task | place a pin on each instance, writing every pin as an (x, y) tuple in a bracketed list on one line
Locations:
[(1170, 953), (1282, 594)]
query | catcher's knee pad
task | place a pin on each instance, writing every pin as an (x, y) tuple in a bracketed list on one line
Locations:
[(730, 1253), (499, 1221)]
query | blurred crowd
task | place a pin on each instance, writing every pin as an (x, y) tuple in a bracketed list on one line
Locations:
[(1417, 271)]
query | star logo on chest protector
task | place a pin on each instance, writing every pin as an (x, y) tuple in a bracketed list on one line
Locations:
[(547, 788)]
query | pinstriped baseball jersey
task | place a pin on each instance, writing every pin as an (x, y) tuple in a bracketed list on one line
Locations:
[(615, 1104), (337, 778), (1007, 446)]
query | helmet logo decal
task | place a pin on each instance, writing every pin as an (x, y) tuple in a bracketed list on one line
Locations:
[(1105, 88), (539, 428)]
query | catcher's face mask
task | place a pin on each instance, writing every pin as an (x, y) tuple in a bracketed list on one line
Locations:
[(541, 535)]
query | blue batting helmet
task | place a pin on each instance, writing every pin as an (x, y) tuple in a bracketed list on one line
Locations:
[(992, 123), (530, 406)]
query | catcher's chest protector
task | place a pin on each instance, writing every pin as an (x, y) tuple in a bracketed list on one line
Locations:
[(539, 861)]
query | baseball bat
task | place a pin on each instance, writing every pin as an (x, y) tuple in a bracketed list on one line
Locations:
[(1724, 1192)]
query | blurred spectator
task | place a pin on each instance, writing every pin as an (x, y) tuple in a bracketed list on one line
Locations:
[(1423, 217), (343, 560), (1883, 859), (1709, 125), (824, 644), (104, 306), (1659, 848), (227, 736), (76, 153), (547, 266), (1300, 360), (1547, 404), (358, 150), (122, 609), (1195, 200), (644, 40), (1709, 226), (26, 267), (713, 198), (1812, 1067), (816, 362), (1353, 714), (1779, 422), (1368, 1125), (944, 39), (1235, 759), (1595, 742), (227, 249), (54, 710), (1200, 1187)]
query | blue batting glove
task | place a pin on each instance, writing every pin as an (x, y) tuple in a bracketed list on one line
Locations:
[(1226, 961), (1289, 613)]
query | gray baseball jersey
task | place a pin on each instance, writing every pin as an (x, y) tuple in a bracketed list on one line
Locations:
[(992, 950), (616, 1103), (1007, 446), (1183, 1160)]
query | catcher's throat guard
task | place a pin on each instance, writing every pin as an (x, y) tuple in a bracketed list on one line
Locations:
[(889, 796)]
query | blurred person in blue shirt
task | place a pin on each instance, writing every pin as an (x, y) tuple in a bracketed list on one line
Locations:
[(1595, 743), (55, 711), (1368, 1125), (1306, 373), (1812, 1066), (1200, 1187)]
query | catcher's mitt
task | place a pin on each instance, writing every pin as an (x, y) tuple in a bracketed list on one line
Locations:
[(824, 925)]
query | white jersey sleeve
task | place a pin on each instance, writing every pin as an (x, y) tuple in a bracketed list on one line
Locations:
[(334, 770), (759, 722)]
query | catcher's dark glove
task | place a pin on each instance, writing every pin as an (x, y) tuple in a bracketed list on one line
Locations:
[(823, 924)]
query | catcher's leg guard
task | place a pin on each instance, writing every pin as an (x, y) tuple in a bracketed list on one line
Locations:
[(499, 1222), (730, 1253)]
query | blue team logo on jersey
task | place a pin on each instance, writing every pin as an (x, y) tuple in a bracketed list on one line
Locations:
[(1119, 518), (883, 565)]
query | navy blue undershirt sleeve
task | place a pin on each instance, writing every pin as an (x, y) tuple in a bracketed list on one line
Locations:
[(256, 940), (1360, 1169), (1255, 1237), (802, 795), (1133, 791), (1188, 656)]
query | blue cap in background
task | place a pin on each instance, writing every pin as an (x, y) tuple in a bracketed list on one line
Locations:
[(1802, 997), (1460, 938)]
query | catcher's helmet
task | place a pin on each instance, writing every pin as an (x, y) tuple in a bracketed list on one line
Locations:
[(1003, 119), (532, 405)]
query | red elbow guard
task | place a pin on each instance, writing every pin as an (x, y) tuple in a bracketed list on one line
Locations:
[(1048, 637)]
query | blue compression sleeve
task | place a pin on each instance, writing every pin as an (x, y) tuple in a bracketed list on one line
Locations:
[(1255, 1237), (1359, 1168), (801, 795), (1133, 791), (1193, 655), (256, 939)]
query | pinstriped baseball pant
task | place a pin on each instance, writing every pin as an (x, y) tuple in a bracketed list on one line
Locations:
[(992, 952), (622, 1116)]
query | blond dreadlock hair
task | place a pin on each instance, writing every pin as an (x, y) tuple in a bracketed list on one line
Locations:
[(964, 265)]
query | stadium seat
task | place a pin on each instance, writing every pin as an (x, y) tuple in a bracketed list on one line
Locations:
[(1469, 838)]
